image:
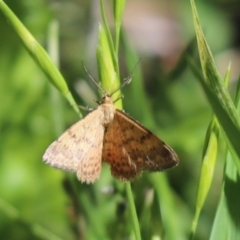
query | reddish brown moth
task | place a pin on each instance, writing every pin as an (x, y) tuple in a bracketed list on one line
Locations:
[(109, 135)]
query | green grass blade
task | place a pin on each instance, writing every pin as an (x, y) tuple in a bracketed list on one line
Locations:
[(208, 166), (133, 212), (108, 76), (38, 54), (167, 207), (216, 92), (231, 131), (118, 13), (110, 79), (56, 101), (227, 218), (109, 38), (210, 72)]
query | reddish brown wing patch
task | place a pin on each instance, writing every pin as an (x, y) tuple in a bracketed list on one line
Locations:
[(130, 148)]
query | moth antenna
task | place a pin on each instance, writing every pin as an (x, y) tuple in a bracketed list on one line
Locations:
[(86, 108), (121, 97), (126, 80), (94, 81)]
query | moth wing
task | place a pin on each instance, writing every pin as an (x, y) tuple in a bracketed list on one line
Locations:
[(79, 148), (89, 168), (130, 148)]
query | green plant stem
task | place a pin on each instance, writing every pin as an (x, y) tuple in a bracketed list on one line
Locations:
[(110, 41), (133, 211), (107, 57)]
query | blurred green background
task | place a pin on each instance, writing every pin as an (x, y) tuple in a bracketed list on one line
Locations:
[(36, 201)]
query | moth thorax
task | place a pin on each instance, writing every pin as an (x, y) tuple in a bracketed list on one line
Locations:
[(108, 113)]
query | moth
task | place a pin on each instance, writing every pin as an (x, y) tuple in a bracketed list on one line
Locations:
[(109, 135)]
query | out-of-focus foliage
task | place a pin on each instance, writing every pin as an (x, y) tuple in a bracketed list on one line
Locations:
[(36, 201)]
